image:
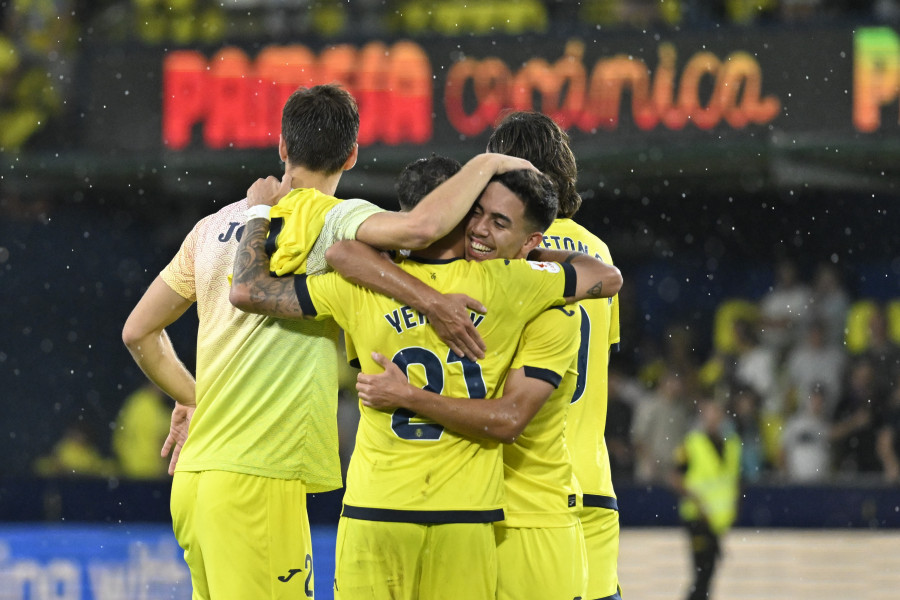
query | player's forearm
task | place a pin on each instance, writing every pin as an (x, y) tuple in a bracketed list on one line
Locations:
[(596, 279), (253, 288), (144, 334), (438, 212), (488, 419), (442, 209), (156, 357), (363, 265)]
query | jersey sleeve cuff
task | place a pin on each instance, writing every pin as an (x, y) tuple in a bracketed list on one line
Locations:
[(547, 375), (276, 224), (571, 279), (303, 297)]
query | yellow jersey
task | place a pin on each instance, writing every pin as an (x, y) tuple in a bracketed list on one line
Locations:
[(305, 223), (266, 388), (406, 468), (599, 335), (541, 490)]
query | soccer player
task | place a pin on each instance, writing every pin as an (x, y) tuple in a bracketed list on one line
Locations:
[(541, 141), (420, 499), (540, 547), (264, 431), (421, 177)]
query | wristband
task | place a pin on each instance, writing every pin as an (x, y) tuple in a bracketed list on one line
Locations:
[(260, 211)]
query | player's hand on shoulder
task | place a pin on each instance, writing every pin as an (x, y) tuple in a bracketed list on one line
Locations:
[(268, 191)]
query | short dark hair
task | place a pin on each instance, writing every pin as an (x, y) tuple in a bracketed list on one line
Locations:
[(320, 126), (537, 138), (536, 192), (420, 177)]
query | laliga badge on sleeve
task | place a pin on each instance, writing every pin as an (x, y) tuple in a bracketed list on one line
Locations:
[(550, 267)]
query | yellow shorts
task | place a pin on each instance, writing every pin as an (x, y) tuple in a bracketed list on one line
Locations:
[(243, 536), (380, 560), (601, 537), (540, 563)]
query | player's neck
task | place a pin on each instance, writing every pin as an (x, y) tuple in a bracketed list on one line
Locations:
[(451, 245), (304, 178)]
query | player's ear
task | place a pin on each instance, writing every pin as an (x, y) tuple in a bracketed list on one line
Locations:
[(282, 148), (351, 160), (533, 241)]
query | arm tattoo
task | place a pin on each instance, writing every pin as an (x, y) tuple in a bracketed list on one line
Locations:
[(596, 290), (269, 295), (572, 257)]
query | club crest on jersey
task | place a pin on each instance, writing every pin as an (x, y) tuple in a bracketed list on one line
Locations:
[(550, 267)]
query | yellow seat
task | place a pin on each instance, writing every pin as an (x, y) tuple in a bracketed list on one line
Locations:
[(727, 313), (856, 334), (414, 17), (520, 16), (893, 318), (446, 18)]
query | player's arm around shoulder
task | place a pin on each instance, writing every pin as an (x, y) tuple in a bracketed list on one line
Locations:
[(595, 278), (440, 211), (253, 288), (362, 265)]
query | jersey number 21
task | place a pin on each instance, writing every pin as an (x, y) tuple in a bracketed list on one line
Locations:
[(401, 420)]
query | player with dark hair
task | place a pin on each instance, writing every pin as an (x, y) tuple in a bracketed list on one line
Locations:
[(420, 499), (264, 432), (306, 114), (540, 546), (421, 176), (538, 136), (538, 139)]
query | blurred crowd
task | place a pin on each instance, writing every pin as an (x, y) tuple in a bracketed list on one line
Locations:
[(138, 432), (810, 377), (213, 21)]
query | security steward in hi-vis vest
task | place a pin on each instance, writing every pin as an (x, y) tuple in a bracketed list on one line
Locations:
[(708, 481)]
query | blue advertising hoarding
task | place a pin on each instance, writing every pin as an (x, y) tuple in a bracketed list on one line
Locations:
[(112, 562)]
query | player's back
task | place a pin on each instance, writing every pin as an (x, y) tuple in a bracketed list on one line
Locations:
[(250, 371), (599, 333), (403, 462)]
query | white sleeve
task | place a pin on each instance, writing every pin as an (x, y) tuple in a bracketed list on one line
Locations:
[(341, 223)]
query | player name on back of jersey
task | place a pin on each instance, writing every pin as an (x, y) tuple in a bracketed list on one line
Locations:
[(561, 242), (405, 317)]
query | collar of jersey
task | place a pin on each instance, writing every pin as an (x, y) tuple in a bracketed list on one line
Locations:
[(433, 261)]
